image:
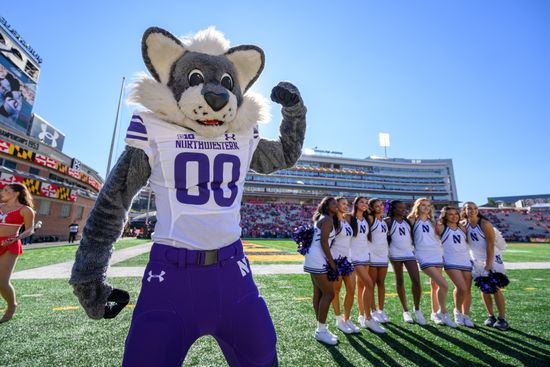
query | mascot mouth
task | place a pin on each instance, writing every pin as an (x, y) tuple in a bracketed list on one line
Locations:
[(210, 122)]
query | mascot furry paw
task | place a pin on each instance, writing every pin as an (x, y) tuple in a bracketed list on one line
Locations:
[(194, 140)]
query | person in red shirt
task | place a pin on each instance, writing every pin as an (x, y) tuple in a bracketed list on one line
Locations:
[(16, 209)]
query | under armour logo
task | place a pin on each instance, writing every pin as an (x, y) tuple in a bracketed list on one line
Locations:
[(230, 136), (243, 265), (160, 276), (46, 134)]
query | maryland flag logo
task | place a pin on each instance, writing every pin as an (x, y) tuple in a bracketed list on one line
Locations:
[(64, 193), (33, 186), (22, 153)]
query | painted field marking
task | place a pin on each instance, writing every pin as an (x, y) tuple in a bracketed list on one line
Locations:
[(275, 258), (524, 251), (303, 298), (66, 308), (530, 289), (31, 295)]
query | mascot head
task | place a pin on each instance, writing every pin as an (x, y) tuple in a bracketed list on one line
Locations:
[(200, 82)]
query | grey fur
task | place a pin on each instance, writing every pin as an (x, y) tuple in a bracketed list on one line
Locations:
[(273, 155), (104, 226), (212, 68)]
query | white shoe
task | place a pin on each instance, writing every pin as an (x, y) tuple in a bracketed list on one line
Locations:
[(459, 318), (384, 316), (407, 317), (435, 317), (354, 329), (325, 336), (420, 320), (446, 319), (343, 327), (468, 321), (377, 316), (361, 320), (334, 336), (374, 326)]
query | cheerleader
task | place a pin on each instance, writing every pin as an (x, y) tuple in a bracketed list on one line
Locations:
[(378, 237), (429, 254), (457, 262), (340, 247), (360, 257), (325, 220), (401, 253), (481, 236)]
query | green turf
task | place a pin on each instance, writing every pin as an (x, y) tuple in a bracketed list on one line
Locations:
[(514, 253), (39, 336), (33, 258)]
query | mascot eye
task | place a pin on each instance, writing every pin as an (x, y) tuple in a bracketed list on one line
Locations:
[(195, 77), (227, 81)]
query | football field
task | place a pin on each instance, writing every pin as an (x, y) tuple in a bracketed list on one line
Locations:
[(50, 329)]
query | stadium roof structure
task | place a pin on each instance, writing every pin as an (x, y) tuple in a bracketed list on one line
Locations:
[(512, 199)]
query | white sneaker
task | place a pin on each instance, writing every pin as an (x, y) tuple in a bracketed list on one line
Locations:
[(407, 317), (374, 326), (435, 317), (446, 319), (325, 336), (459, 318), (361, 320), (420, 320), (343, 327), (334, 336), (352, 326), (468, 321), (377, 316), (384, 316)]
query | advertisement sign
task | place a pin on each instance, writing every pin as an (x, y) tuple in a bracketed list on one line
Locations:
[(17, 93), (46, 133)]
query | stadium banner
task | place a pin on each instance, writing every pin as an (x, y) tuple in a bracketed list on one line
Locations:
[(41, 130), (540, 239), (22, 153), (37, 187), (17, 93)]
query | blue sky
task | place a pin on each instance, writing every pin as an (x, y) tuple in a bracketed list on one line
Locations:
[(467, 80)]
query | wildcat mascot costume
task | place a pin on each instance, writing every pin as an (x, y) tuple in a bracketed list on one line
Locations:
[(194, 140)]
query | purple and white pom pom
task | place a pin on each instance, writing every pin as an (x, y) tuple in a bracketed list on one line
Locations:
[(491, 283), (331, 274), (303, 236), (345, 268)]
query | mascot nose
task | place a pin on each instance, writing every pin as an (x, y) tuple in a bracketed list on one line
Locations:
[(216, 100)]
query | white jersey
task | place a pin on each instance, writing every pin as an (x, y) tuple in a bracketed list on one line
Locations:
[(401, 247), (456, 252), (360, 252), (315, 260), (340, 246), (198, 182), (379, 244), (427, 248), (478, 248), (478, 245)]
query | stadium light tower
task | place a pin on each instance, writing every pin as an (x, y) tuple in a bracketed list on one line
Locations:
[(115, 129), (384, 139)]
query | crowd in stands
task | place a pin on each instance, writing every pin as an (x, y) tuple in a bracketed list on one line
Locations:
[(273, 220)]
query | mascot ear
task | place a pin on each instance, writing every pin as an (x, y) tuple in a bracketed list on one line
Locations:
[(160, 49), (249, 62)]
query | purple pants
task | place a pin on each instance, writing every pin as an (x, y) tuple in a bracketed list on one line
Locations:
[(183, 299)]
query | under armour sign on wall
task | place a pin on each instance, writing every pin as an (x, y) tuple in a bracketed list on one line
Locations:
[(46, 133)]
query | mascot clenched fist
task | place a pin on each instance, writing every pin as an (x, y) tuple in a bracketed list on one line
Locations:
[(194, 140)]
